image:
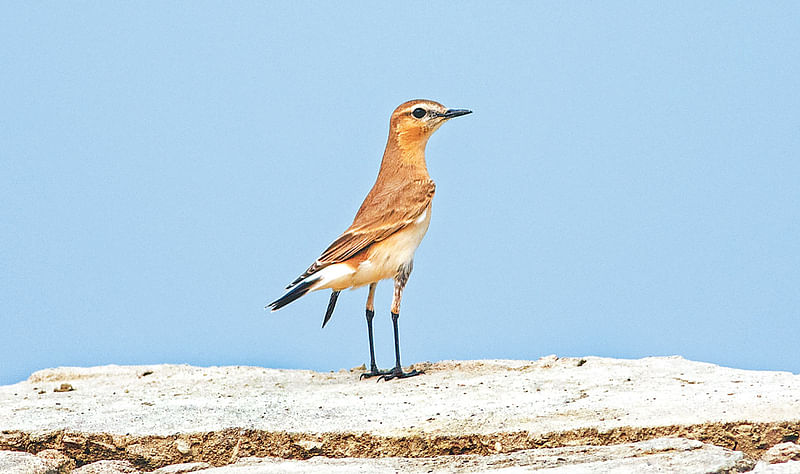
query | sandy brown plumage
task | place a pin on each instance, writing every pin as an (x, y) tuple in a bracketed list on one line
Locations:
[(389, 225), (388, 208)]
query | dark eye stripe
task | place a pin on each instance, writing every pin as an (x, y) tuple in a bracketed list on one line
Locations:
[(418, 113)]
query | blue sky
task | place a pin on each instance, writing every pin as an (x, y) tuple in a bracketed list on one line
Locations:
[(627, 185)]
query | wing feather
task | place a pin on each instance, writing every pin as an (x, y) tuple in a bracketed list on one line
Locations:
[(385, 211)]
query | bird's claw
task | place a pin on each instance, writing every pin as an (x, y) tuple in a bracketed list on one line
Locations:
[(374, 372), (397, 373)]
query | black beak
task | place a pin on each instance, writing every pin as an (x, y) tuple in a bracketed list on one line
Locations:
[(455, 113)]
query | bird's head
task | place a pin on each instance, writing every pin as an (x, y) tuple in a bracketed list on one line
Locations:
[(414, 121)]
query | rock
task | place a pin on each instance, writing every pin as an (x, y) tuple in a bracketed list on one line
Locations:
[(107, 467), (65, 387), (658, 455), (550, 360), (63, 463), (790, 467), (182, 446), (17, 462), (476, 397), (781, 453), (183, 468), (76, 440), (309, 445), (486, 408)]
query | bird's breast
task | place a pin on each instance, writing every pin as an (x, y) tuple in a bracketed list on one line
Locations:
[(386, 256)]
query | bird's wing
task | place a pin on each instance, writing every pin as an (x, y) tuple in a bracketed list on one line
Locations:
[(385, 211)]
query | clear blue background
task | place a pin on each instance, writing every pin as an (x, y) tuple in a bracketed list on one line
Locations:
[(628, 186)]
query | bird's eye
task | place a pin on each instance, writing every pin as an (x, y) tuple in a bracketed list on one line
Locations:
[(418, 113)]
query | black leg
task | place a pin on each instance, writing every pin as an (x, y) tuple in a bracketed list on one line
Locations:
[(397, 372), (395, 317), (373, 367)]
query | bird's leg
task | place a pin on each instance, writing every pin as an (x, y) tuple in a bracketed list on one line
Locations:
[(399, 283), (373, 367)]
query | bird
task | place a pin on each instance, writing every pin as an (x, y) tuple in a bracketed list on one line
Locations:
[(387, 229)]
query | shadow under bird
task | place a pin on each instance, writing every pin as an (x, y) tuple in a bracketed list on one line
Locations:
[(388, 228)]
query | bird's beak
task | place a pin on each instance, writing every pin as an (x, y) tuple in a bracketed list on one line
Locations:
[(455, 113)]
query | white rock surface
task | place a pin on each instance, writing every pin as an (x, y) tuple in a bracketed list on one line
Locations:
[(107, 467), (14, 462), (782, 452), (183, 468), (548, 395), (167, 414), (791, 467)]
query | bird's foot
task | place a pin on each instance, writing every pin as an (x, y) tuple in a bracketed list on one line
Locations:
[(374, 372), (397, 373)]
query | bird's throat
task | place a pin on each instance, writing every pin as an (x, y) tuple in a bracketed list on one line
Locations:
[(405, 151)]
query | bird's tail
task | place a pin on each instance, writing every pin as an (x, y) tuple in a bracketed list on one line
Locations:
[(322, 278), (331, 305), (295, 292)]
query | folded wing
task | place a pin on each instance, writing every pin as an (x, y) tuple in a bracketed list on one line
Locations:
[(386, 210)]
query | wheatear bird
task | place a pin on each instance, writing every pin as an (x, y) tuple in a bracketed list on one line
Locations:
[(387, 229)]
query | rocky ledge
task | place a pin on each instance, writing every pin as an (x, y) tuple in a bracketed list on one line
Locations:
[(658, 414)]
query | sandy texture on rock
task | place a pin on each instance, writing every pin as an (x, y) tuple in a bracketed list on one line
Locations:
[(14, 462), (156, 416), (476, 397), (791, 467), (782, 452), (659, 455)]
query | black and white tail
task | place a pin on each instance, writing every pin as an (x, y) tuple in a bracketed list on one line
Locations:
[(295, 292), (331, 305), (323, 278)]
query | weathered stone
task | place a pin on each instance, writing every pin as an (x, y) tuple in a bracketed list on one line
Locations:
[(182, 446), (183, 468), (180, 414), (16, 462), (63, 463), (654, 456), (781, 453), (64, 387), (478, 397), (309, 445), (107, 467), (76, 440), (790, 467)]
